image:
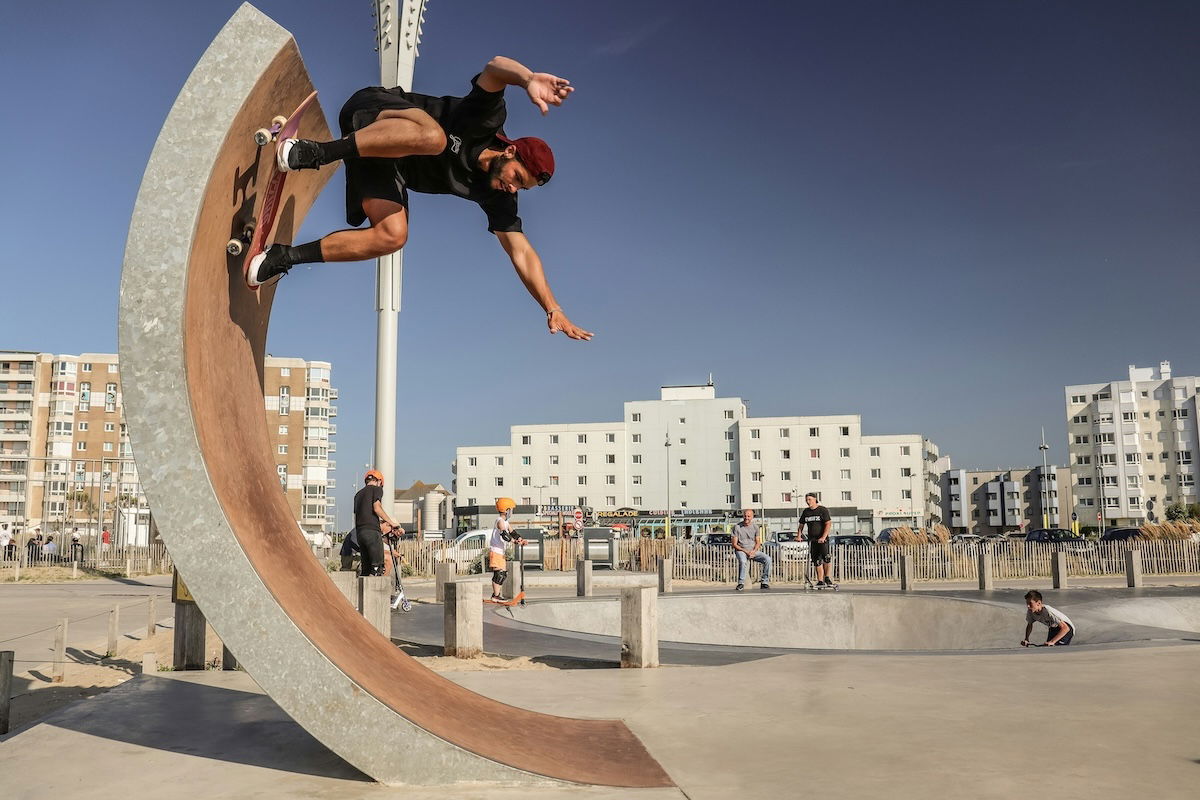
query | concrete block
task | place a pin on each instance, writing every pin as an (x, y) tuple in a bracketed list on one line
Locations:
[(6, 684), (1133, 568), (463, 619), (1058, 570), (60, 652), (347, 584), (149, 663), (152, 617), (986, 582), (904, 565), (443, 574), (374, 596), (583, 578), (190, 635), (114, 626), (665, 566), (639, 627)]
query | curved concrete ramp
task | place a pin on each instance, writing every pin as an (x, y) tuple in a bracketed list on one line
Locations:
[(191, 344)]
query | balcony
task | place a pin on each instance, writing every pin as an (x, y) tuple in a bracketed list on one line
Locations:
[(331, 483), (332, 429)]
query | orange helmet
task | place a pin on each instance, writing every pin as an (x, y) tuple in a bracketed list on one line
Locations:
[(373, 473), (505, 504)]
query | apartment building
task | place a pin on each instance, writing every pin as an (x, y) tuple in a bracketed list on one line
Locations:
[(983, 502), (701, 456), (1132, 444), (66, 460)]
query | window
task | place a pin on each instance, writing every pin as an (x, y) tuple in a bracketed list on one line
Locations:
[(754, 432), (814, 453), (1079, 398), (81, 445), (553, 459), (610, 501), (1081, 439), (786, 497), (471, 461), (874, 452), (636, 480), (756, 476), (729, 477), (844, 452), (845, 430), (470, 481), (683, 420), (1105, 438), (1107, 458), (554, 438), (728, 414), (728, 435), (683, 462), (1108, 480), (636, 417), (281, 471), (785, 454), (526, 501), (785, 433), (906, 472), (1133, 458), (83, 426), (553, 501), (906, 494), (785, 475), (1079, 419), (729, 456), (683, 483), (581, 438), (755, 497), (1083, 460), (905, 450), (815, 474), (637, 500), (1129, 416), (1183, 456), (1086, 501), (285, 401), (282, 449), (110, 397), (610, 458), (85, 396), (878, 474), (582, 480), (637, 459), (729, 499), (554, 482), (526, 461), (582, 459), (525, 481), (526, 440), (86, 368), (756, 455), (610, 480), (845, 474), (846, 495), (610, 438), (1084, 480), (876, 494), (1180, 413), (499, 461), (108, 447), (637, 438), (1112, 502)]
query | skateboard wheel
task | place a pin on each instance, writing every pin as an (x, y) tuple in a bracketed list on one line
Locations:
[(278, 122), (235, 247), (262, 136)]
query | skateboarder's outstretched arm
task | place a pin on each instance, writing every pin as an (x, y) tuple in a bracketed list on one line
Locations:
[(544, 89), (529, 267)]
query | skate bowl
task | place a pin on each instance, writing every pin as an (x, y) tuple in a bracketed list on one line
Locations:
[(192, 339), (875, 621)]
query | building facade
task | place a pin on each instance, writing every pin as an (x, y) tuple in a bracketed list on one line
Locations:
[(1132, 445), (66, 460), (983, 502), (697, 454)]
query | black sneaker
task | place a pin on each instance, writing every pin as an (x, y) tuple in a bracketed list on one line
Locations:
[(294, 154), (740, 588), (829, 581), (266, 265), (764, 586)]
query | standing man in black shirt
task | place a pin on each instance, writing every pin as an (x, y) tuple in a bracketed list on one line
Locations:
[(368, 514), (394, 141), (815, 520)]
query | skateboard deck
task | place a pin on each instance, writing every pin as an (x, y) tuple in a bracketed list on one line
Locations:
[(257, 233), (518, 599)]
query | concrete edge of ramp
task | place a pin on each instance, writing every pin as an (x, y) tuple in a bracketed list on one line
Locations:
[(192, 342)]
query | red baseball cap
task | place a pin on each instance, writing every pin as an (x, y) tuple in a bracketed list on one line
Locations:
[(534, 154)]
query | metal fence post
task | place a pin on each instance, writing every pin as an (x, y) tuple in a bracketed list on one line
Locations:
[(6, 682)]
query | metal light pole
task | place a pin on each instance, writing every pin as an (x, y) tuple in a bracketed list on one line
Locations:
[(398, 32), (667, 450), (1045, 482)]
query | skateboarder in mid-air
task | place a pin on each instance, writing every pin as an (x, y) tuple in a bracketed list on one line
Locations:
[(394, 141), (502, 534)]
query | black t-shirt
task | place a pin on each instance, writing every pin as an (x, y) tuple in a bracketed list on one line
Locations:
[(815, 519), (364, 507), (471, 124)]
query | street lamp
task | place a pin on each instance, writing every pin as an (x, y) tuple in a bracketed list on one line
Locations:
[(539, 487), (667, 450), (796, 499), (1045, 482)]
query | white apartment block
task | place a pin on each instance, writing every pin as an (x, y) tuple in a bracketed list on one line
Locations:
[(1132, 446), (690, 450), (66, 459)]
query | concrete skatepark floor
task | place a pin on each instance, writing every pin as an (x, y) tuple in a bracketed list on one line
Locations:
[(1074, 722)]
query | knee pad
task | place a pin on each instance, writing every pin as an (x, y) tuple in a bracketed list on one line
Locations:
[(499, 576)]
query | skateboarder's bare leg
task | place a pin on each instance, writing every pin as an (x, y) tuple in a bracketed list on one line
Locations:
[(387, 234), (396, 134)]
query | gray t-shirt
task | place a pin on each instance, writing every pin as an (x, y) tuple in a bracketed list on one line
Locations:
[(1048, 616), (746, 535)]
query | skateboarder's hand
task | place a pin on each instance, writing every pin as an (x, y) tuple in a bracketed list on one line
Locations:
[(557, 321), (547, 90)]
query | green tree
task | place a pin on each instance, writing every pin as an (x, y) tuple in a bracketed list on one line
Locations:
[(1176, 512)]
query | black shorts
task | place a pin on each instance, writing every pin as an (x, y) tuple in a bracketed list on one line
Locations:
[(367, 178), (1050, 634), (818, 552)]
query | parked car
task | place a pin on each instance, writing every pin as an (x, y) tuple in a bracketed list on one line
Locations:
[(787, 545), (723, 541), (966, 539), (1122, 534), (851, 540), (1067, 540)]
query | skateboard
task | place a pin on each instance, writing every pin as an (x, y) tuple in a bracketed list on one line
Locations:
[(254, 236), (520, 598)]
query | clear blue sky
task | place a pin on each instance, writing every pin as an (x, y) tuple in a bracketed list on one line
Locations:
[(934, 214)]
